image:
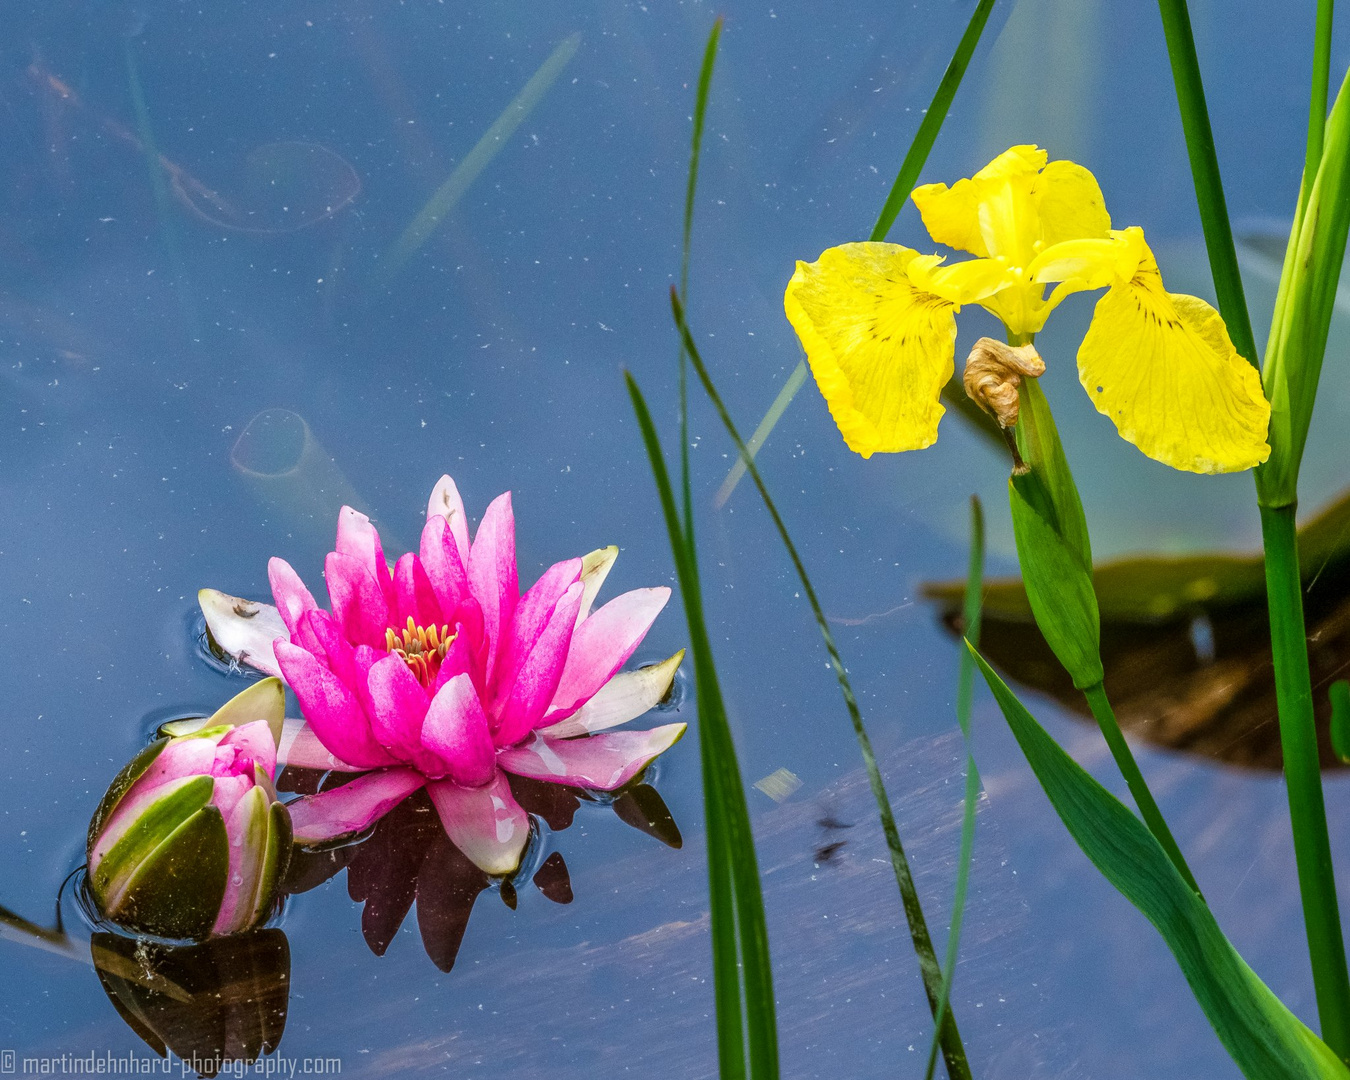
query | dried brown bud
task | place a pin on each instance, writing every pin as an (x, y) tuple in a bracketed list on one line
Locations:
[(993, 373)]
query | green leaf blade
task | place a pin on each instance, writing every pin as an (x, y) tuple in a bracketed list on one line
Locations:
[(1263, 1037)]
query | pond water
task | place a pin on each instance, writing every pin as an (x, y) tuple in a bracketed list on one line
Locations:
[(250, 281)]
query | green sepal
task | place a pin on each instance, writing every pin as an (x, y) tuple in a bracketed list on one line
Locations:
[(1049, 486), (177, 891), (153, 827), (1059, 587), (1264, 1038), (119, 787), (275, 861), (263, 700)]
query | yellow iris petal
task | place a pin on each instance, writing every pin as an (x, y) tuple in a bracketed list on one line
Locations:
[(1162, 367), (952, 215), (1016, 207), (989, 213), (1069, 204), (880, 348)]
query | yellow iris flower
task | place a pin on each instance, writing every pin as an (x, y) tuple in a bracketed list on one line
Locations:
[(878, 320)]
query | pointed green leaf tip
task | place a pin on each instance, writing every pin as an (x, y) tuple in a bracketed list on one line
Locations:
[(1265, 1039)]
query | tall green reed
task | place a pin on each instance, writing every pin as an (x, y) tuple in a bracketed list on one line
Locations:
[(1290, 374)]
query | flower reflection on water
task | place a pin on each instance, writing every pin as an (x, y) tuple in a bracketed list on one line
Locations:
[(211, 1004), (409, 857)]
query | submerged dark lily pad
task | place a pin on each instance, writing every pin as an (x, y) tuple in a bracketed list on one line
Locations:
[(1186, 644)]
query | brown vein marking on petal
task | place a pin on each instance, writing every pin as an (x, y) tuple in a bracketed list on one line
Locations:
[(993, 373)]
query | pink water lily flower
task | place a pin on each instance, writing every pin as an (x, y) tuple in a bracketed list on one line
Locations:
[(440, 674)]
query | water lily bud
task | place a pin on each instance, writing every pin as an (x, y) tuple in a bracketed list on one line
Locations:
[(190, 840)]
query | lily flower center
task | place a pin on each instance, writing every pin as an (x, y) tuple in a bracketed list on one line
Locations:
[(422, 648)]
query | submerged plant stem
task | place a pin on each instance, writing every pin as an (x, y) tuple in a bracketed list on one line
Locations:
[(1129, 768), (1303, 777)]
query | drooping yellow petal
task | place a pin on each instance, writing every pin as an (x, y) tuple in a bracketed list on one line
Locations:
[(880, 348), (1162, 367), (1069, 204)]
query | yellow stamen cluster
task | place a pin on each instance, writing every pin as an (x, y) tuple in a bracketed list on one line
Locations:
[(422, 648)]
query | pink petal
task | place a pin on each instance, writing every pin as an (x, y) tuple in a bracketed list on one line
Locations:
[(600, 762), (252, 744), (520, 706), (289, 592), (603, 642), (244, 629), (353, 807), (357, 537), (625, 697), (445, 502), (533, 613), (492, 575), (320, 634), (192, 756), (444, 566), (228, 791), (459, 660), (358, 601), (399, 702), (413, 595), (300, 749), (486, 823), (456, 731), (332, 709)]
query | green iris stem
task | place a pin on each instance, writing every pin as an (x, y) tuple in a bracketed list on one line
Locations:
[(1129, 768), (1303, 778), (1317, 99), (1213, 206)]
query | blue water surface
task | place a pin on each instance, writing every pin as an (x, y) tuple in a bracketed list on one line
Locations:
[(142, 330)]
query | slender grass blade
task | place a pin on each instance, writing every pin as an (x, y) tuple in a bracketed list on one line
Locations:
[(965, 692), (953, 1051), (738, 922)]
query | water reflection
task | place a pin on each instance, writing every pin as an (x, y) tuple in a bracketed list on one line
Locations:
[(1186, 644), (278, 187), (408, 858), (210, 1004)]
